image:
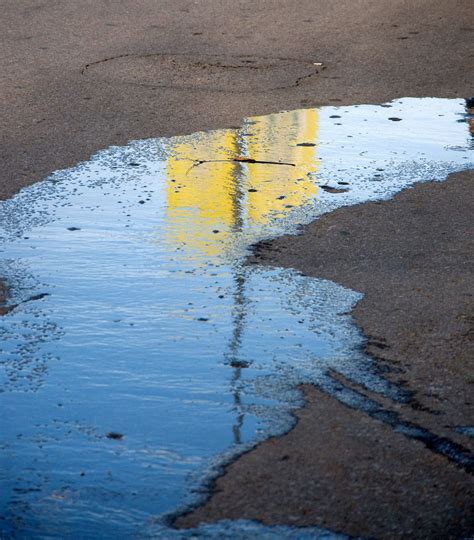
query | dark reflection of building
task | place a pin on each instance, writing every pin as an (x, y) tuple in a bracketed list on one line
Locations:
[(470, 114)]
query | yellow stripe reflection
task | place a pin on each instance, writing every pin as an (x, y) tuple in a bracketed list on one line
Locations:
[(209, 195)]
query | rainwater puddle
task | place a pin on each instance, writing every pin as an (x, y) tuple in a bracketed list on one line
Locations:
[(142, 352)]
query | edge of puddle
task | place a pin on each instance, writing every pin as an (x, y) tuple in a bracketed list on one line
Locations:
[(272, 252)]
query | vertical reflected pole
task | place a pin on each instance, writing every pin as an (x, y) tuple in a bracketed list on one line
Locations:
[(238, 321), (239, 308)]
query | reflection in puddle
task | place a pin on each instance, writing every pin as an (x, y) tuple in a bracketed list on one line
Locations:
[(136, 316)]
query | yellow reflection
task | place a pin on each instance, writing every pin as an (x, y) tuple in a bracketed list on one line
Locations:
[(201, 197), (213, 190), (276, 139)]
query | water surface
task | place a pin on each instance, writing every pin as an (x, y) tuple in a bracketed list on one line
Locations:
[(141, 352)]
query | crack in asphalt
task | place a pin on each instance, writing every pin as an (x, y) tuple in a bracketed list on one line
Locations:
[(309, 64)]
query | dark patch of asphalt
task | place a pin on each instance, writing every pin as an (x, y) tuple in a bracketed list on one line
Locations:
[(70, 86)]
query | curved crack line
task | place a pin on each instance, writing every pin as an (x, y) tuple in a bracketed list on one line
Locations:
[(103, 61), (180, 55), (295, 84)]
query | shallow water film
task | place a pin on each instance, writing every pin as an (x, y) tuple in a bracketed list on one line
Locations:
[(139, 352)]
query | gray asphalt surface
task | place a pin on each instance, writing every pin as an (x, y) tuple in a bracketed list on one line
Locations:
[(80, 75)]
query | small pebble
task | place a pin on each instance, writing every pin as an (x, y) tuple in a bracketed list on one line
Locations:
[(114, 435)]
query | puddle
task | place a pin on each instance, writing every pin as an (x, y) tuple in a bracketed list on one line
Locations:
[(141, 353)]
